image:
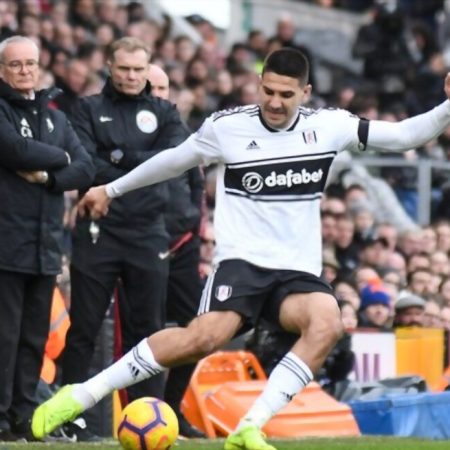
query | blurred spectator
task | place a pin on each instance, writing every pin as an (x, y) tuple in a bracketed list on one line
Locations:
[(348, 315), (73, 84), (330, 265), (445, 317), (443, 235), (409, 311), (329, 231), (365, 275), (410, 242), (419, 281), (345, 248), (375, 307), (285, 34), (386, 48), (7, 20), (389, 233), (418, 261), (429, 239), (432, 315), (346, 290), (444, 291), (374, 252), (397, 262)]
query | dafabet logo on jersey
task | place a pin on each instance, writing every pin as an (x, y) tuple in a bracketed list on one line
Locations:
[(253, 182), (290, 178)]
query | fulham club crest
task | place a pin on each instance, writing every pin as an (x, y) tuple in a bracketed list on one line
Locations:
[(223, 292), (310, 137)]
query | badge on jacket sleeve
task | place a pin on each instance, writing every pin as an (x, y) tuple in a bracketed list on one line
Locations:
[(146, 121)]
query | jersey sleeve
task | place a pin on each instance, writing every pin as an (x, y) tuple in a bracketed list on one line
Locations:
[(346, 126), (204, 143), (409, 133)]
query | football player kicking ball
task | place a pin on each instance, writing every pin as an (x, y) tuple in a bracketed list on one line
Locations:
[(273, 163)]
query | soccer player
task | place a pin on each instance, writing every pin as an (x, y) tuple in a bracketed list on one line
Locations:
[(273, 163)]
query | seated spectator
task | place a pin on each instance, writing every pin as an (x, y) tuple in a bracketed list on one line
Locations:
[(440, 263), (374, 252), (365, 275), (443, 235), (396, 261), (348, 315), (419, 282), (444, 292), (445, 318), (393, 282), (345, 249), (409, 310), (346, 290), (388, 232), (330, 265), (375, 308), (418, 261), (432, 315)]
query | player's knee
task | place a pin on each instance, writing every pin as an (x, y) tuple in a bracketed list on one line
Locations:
[(328, 328)]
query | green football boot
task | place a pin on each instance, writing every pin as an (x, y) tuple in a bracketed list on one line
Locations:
[(249, 437), (61, 408)]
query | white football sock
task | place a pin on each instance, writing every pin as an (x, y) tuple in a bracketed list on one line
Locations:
[(287, 379), (137, 365)]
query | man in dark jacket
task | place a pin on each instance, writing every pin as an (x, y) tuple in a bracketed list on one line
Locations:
[(121, 127), (40, 158)]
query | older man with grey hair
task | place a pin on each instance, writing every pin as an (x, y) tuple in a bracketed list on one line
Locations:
[(40, 158)]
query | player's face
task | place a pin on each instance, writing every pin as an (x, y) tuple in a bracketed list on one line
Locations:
[(129, 71), (280, 97)]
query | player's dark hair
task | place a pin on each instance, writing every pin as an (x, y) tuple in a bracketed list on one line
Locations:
[(288, 62)]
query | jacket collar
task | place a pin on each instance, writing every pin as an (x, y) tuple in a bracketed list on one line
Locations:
[(110, 91), (42, 97)]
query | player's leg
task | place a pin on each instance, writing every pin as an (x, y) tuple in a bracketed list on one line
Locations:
[(316, 317), (183, 293), (145, 291), (166, 348)]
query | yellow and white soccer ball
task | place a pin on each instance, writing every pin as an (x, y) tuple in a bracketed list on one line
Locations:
[(147, 424)]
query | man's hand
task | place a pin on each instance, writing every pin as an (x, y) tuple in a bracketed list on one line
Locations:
[(447, 85), (36, 176), (95, 202)]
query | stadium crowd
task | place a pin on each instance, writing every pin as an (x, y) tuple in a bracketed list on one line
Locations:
[(384, 275)]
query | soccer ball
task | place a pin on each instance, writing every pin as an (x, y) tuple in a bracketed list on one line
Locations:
[(147, 424)]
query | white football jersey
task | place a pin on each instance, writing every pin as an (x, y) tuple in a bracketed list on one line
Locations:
[(270, 183)]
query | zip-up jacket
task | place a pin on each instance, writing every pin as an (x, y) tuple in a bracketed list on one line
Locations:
[(140, 126), (34, 137)]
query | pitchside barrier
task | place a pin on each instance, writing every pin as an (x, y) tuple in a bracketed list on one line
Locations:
[(226, 383)]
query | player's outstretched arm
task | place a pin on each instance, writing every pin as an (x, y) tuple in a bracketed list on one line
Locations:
[(412, 132)]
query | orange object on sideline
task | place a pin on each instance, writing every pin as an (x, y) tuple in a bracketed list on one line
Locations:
[(443, 383), (225, 384), (59, 324), (420, 351)]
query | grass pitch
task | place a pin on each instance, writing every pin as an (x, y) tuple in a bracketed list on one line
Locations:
[(361, 443)]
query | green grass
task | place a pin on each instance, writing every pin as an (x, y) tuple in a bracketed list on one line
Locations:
[(362, 443)]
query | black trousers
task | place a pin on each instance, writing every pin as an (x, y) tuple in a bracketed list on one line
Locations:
[(183, 298), (94, 275), (25, 304)]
